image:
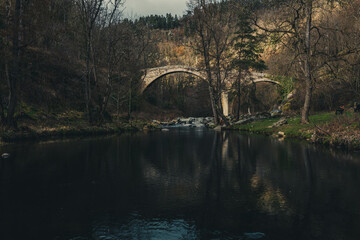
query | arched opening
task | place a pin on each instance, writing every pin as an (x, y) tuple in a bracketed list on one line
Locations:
[(262, 96), (176, 94)]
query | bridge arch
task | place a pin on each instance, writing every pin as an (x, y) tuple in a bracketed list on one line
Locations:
[(266, 80), (153, 74)]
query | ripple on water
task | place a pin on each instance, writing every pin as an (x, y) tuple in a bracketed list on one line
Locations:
[(138, 227)]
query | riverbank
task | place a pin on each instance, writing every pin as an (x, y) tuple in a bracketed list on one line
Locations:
[(68, 126), (342, 131), (325, 128)]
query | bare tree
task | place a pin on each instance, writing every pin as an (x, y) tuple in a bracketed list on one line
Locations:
[(112, 33), (308, 6), (13, 38), (292, 25), (213, 25), (89, 11), (138, 54)]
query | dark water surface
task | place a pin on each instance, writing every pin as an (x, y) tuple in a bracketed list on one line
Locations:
[(178, 185)]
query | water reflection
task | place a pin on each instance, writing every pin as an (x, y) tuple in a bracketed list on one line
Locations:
[(137, 227), (182, 184)]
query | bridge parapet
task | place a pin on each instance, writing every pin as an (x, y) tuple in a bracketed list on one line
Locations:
[(152, 74)]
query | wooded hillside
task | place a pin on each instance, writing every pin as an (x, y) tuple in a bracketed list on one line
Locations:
[(83, 55)]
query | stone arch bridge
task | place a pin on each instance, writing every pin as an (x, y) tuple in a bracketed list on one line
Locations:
[(152, 74)]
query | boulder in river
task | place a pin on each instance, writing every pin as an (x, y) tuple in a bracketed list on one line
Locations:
[(198, 125), (185, 120), (5, 155), (218, 128), (208, 119), (281, 134)]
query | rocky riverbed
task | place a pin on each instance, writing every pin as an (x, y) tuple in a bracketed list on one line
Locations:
[(191, 122), (208, 122)]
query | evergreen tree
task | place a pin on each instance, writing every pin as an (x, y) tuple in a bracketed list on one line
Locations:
[(248, 52)]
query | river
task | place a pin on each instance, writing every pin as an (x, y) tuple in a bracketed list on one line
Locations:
[(180, 184)]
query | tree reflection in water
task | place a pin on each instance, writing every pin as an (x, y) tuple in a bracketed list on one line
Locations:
[(182, 184)]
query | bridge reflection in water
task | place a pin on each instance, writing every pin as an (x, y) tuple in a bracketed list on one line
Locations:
[(181, 184)]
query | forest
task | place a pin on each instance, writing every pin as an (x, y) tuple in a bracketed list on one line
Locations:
[(65, 61)]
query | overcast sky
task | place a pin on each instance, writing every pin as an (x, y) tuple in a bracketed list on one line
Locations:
[(137, 8)]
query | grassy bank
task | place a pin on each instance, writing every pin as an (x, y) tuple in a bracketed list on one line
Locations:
[(324, 128), (40, 127)]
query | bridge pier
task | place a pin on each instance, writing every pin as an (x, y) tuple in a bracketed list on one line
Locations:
[(225, 103)]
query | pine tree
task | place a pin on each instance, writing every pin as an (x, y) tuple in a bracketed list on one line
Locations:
[(248, 52)]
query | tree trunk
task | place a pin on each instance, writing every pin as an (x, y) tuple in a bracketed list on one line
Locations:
[(211, 91), (2, 112), (118, 105), (105, 100), (238, 108), (93, 61), (238, 97), (307, 63), (308, 95), (130, 100), (87, 78), (14, 76), (213, 105), (3, 107), (205, 42)]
